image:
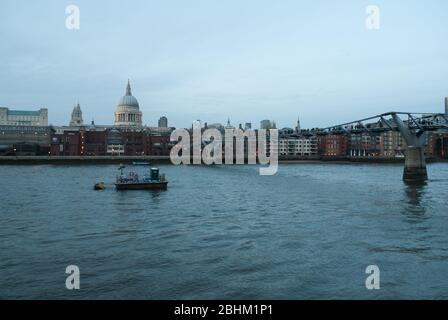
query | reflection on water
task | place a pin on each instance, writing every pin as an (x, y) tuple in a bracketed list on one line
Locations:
[(414, 194)]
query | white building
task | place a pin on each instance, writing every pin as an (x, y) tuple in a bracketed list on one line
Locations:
[(293, 146), (37, 118)]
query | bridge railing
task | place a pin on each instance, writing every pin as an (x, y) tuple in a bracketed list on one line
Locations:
[(385, 122)]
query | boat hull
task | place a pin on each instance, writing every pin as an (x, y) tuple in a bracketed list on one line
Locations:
[(142, 186)]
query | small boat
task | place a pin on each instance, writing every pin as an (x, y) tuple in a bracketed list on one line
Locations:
[(140, 163), (99, 186), (132, 180)]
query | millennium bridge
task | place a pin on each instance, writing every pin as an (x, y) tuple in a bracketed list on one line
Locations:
[(413, 128)]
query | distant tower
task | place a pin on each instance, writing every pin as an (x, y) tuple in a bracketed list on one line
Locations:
[(298, 128), (229, 126), (76, 117), (446, 106), (163, 122)]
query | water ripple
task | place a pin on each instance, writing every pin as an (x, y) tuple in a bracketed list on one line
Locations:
[(224, 233)]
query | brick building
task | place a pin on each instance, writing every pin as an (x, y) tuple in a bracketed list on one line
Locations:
[(161, 145), (66, 144), (334, 145), (109, 141), (437, 146), (365, 144)]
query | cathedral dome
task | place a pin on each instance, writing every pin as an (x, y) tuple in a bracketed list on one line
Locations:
[(128, 111), (128, 101)]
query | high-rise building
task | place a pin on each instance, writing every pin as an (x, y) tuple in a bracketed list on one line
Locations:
[(446, 106), (267, 124), (127, 113), (163, 122), (23, 118), (76, 119)]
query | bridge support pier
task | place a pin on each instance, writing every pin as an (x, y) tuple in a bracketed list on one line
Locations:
[(415, 162), (415, 165)]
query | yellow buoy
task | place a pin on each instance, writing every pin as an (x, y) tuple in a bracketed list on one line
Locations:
[(99, 186)]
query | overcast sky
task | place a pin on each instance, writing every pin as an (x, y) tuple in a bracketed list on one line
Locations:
[(213, 59)]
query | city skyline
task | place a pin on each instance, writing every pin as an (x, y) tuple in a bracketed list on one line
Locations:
[(214, 63)]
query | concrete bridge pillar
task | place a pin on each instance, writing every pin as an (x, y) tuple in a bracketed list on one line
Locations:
[(415, 162), (415, 165)]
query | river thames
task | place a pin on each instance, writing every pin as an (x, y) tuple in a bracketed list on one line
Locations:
[(224, 232)]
